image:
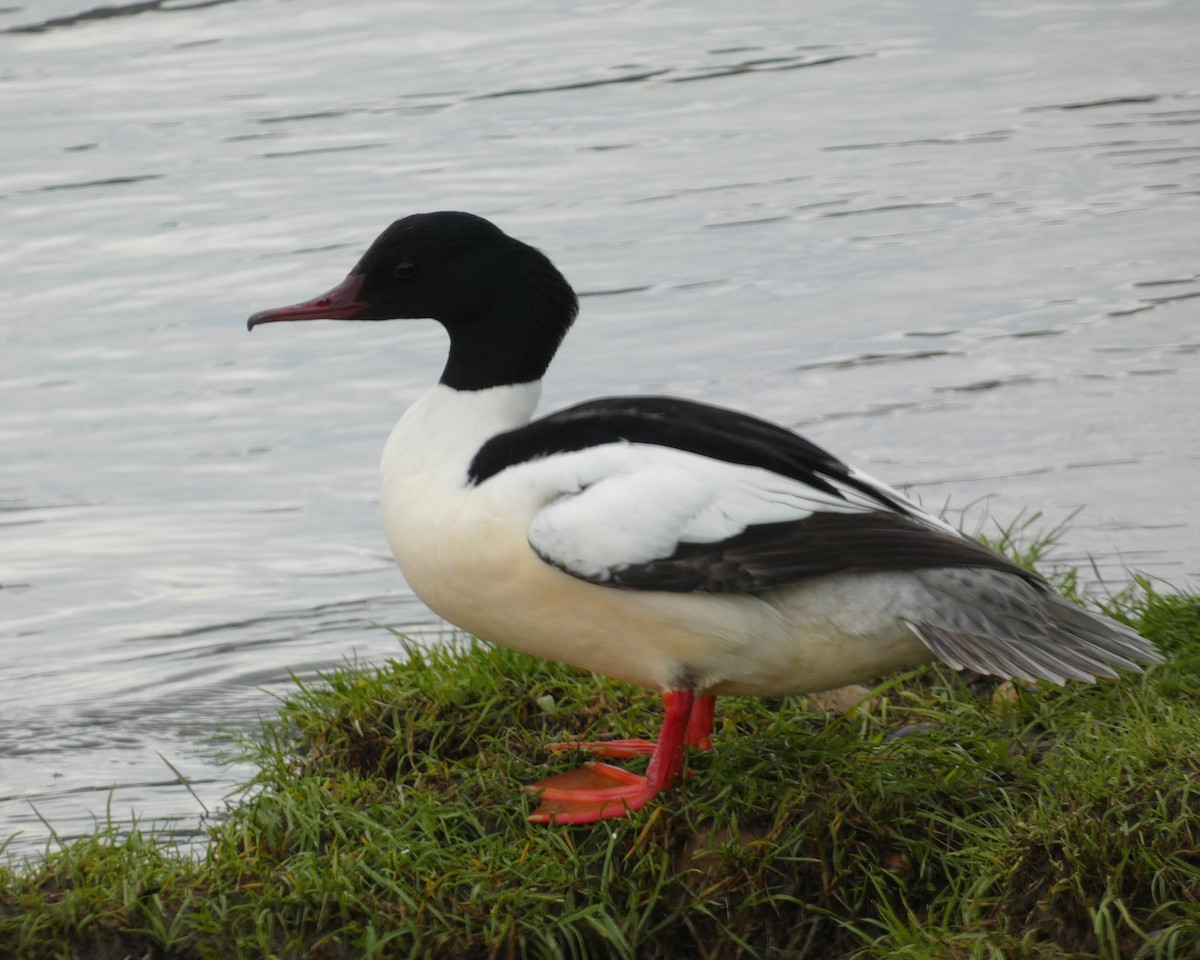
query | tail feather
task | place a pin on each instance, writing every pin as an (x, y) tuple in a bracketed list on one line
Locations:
[(1120, 645), (992, 622)]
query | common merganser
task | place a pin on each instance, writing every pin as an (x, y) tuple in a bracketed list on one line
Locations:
[(676, 545)]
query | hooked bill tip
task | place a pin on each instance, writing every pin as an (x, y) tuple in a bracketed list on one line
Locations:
[(340, 303)]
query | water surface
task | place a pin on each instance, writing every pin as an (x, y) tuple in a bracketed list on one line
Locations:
[(955, 243)]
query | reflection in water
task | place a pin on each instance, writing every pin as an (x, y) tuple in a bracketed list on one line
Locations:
[(959, 251)]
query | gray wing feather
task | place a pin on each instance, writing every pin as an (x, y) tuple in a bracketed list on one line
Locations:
[(992, 622)]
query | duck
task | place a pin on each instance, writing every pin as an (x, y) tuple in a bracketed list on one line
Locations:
[(680, 546)]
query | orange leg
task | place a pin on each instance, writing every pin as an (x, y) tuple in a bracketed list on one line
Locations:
[(700, 723), (598, 791)]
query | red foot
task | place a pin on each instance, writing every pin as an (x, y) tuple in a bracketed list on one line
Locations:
[(593, 792), (611, 749), (599, 791)]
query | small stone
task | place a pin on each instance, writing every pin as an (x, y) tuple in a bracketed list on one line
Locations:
[(841, 700)]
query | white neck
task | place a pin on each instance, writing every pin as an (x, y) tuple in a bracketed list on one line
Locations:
[(440, 433)]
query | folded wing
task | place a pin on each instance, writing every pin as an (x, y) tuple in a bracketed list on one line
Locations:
[(655, 493), (649, 493)]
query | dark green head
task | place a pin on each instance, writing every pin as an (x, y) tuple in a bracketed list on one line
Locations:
[(504, 304)]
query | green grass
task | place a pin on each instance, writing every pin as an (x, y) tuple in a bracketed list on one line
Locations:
[(945, 817)]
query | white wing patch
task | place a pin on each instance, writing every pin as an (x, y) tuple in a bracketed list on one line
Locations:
[(611, 506), (910, 508)]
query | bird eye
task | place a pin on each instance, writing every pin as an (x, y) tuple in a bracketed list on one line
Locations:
[(404, 270)]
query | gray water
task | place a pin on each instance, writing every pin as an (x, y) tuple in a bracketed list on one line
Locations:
[(954, 242)]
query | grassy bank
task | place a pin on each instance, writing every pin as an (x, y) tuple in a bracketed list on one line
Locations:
[(943, 817)]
